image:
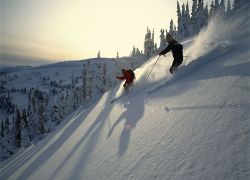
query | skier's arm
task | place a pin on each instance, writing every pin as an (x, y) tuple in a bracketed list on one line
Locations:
[(166, 50), (120, 77)]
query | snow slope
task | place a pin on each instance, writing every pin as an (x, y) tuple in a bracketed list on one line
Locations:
[(194, 125)]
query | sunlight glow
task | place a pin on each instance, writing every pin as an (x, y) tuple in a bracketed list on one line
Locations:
[(70, 30)]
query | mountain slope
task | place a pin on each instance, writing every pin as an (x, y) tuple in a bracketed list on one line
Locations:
[(194, 125)]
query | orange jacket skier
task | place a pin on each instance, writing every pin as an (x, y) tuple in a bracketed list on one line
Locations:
[(128, 75)]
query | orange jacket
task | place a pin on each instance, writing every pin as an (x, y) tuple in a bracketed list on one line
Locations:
[(127, 76)]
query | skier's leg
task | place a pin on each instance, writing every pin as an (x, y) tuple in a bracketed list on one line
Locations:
[(128, 85), (173, 67), (176, 63)]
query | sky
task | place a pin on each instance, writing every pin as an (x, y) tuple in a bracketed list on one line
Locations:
[(45, 30)]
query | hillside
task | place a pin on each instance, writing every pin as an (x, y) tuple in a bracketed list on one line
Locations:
[(45, 95), (194, 125)]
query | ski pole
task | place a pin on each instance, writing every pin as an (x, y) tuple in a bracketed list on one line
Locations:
[(153, 67)]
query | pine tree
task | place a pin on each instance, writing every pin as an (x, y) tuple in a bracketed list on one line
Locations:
[(222, 6), (179, 25), (228, 7), (2, 129), (188, 18), (104, 77), (211, 11), (7, 126), (162, 40), (192, 23), (17, 129), (41, 113), (175, 31), (148, 44), (236, 4), (99, 54), (72, 80), (200, 21), (153, 44), (84, 82), (33, 118), (133, 52), (184, 31), (89, 82), (171, 28), (206, 15), (132, 57), (216, 6), (155, 49), (194, 9), (26, 136)]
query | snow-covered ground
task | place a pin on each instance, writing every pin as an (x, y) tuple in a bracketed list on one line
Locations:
[(195, 125)]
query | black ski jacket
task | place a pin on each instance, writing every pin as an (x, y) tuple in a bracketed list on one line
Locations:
[(176, 48)]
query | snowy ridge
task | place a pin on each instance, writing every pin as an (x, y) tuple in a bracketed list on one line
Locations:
[(194, 126)]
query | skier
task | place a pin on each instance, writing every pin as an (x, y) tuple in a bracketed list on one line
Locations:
[(176, 48), (128, 75)]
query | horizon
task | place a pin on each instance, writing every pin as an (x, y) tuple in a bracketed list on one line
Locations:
[(49, 32)]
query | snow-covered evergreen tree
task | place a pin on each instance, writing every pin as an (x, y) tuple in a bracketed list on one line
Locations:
[(133, 52), (188, 20), (216, 6), (72, 80), (206, 15), (2, 129), (175, 32), (222, 7), (89, 82), (179, 21), (236, 4), (171, 28), (192, 23), (153, 42), (148, 44), (105, 82), (162, 40), (228, 7), (194, 10), (84, 82), (17, 129), (201, 20), (183, 30), (26, 137), (212, 10), (99, 54), (156, 51)]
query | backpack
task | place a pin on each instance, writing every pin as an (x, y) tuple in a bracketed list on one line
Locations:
[(132, 73)]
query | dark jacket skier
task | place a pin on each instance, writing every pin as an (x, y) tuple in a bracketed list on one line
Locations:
[(177, 52), (128, 75)]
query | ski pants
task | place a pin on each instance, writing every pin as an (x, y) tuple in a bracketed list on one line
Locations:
[(176, 63)]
